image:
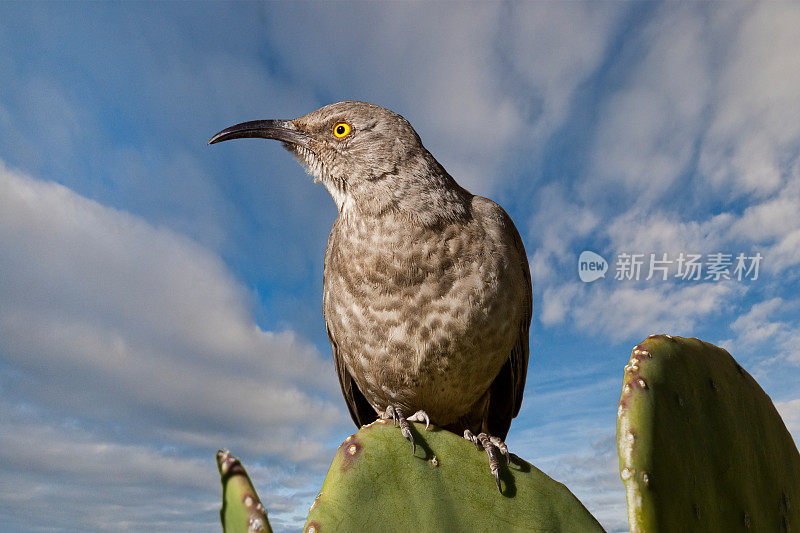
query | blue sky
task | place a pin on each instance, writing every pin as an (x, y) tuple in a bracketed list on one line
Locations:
[(160, 299)]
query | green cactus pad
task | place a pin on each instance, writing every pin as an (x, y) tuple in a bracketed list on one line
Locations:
[(241, 511), (376, 484), (701, 446)]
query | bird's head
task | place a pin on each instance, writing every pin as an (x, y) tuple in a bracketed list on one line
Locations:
[(369, 158)]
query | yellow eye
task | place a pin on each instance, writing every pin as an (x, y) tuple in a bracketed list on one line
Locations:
[(342, 129)]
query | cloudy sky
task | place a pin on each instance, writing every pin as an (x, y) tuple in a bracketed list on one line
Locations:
[(160, 299)]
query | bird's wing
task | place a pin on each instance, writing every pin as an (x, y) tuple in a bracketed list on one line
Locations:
[(509, 385), (360, 409)]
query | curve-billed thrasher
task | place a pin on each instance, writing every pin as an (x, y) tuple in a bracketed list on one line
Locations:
[(427, 292)]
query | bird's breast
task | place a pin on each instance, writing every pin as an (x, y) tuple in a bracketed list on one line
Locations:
[(419, 315)]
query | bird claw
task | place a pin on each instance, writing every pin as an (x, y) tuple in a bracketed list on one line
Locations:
[(420, 416), (396, 415), (472, 438), (390, 413), (501, 446), (491, 445)]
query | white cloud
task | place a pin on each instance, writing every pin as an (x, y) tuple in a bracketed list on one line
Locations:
[(622, 311), (109, 319), (552, 48), (785, 254), (770, 226), (68, 479), (73, 478), (647, 130), (731, 107), (771, 219), (754, 327), (732, 111), (555, 226), (50, 450), (754, 136), (761, 329), (774, 225), (685, 101), (643, 231), (557, 302), (641, 312)]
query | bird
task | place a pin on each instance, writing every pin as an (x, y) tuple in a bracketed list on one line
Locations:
[(427, 296)]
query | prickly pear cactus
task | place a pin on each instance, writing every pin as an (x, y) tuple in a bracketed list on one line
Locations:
[(701, 446), (376, 484), (241, 509)]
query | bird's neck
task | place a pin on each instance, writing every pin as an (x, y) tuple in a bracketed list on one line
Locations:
[(422, 192)]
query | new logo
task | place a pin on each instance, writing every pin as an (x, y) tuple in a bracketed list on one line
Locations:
[(591, 266)]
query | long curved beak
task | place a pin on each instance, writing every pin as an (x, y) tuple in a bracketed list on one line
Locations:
[(280, 130)]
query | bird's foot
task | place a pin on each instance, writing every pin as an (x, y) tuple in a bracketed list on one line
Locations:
[(493, 447), (395, 414)]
